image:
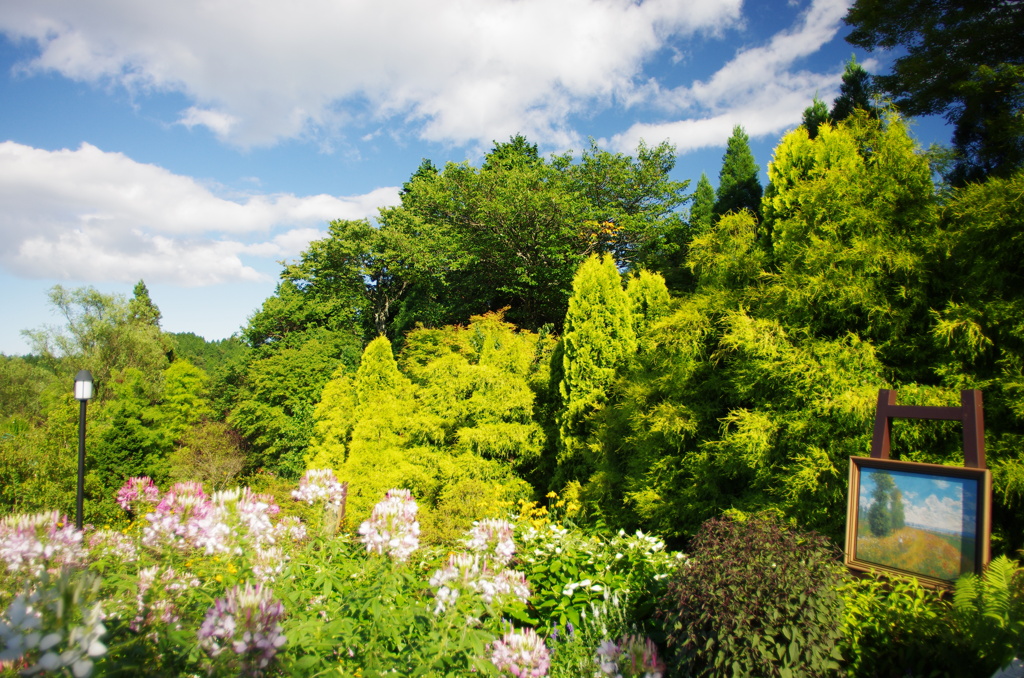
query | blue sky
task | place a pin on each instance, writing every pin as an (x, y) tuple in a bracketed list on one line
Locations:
[(196, 144)]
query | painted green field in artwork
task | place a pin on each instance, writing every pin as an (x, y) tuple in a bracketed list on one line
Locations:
[(941, 556)]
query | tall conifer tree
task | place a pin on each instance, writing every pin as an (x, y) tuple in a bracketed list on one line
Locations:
[(703, 206), (599, 337), (738, 184), (854, 93), (815, 116)]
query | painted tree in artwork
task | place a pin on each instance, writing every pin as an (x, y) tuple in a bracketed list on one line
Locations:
[(883, 512), (897, 513)]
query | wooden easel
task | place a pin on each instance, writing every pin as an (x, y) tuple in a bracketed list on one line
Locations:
[(969, 412)]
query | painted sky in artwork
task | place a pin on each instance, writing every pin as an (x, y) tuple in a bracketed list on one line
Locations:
[(196, 145), (939, 503)]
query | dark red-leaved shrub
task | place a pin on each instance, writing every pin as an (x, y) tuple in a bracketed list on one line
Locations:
[(756, 598)]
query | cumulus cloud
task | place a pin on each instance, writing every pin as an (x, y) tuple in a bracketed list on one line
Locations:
[(259, 71), (91, 215), (760, 88), (945, 513)]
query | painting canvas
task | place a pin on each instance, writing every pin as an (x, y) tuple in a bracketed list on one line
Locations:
[(921, 519)]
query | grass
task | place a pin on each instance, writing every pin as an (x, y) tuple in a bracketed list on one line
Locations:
[(941, 556)]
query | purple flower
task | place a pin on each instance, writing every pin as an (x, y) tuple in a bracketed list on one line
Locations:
[(392, 528), (521, 654), (245, 621)]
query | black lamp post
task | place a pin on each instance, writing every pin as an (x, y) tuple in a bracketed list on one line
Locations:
[(83, 393)]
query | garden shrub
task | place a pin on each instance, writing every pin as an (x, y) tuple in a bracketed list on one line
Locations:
[(987, 617), (755, 598), (892, 627), (572, 573)]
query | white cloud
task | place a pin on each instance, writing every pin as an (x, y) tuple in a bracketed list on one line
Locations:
[(95, 216), (460, 71), (946, 514), (758, 88)]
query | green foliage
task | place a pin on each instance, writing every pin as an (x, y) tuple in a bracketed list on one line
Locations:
[(815, 116), (572, 573), (325, 290), (599, 338), (988, 615), (452, 433), (185, 400), (702, 210), (850, 215), (280, 388), (103, 334), (978, 334), (855, 92), (892, 628), (22, 383), (755, 598), (209, 453), (886, 513), (649, 300), (739, 184), (962, 60), (369, 616), (141, 307), (512, 233)]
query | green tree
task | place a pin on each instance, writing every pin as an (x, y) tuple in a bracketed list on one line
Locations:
[(511, 233), (880, 514), (965, 61), (273, 410), (702, 210), (649, 299), (599, 338), (451, 434), (852, 214), (854, 92), (815, 116), (898, 513), (133, 442), (977, 335), (185, 400), (739, 186), (209, 453), (103, 334), (325, 290), (141, 306)]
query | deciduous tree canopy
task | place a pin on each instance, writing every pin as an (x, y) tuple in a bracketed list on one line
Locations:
[(964, 60)]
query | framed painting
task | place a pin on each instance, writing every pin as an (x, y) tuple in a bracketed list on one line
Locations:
[(924, 520)]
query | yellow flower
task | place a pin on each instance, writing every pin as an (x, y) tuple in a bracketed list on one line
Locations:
[(552, 495), (219, 578)]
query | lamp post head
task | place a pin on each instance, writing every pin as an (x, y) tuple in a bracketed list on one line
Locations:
[(83, 385)]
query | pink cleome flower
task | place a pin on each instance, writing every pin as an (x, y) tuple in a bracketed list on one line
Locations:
[(247, 622), (138, 489), (44, 541), (521, 654), (392, 528), (320, 485)]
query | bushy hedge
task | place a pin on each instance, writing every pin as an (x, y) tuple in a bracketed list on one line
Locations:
[(755, 598)]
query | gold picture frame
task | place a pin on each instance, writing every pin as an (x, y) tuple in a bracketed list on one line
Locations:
[(928, 521)]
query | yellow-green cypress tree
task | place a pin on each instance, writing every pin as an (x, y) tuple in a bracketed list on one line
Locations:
[(599, 338)]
